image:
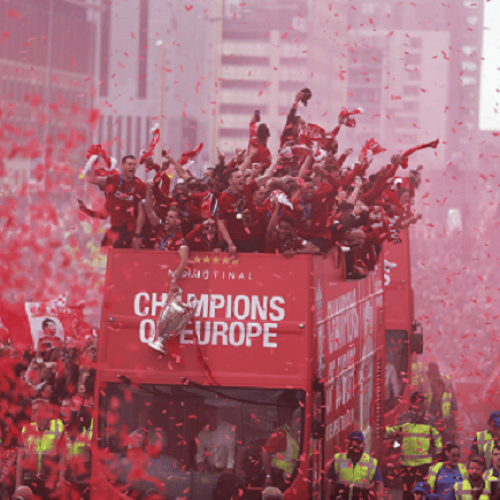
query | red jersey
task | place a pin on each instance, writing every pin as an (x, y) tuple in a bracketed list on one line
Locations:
[(198, 242), (122, 200), (312, 216), (206, 202), (191, 214), (263, 155), (170, 242), (238, 212)]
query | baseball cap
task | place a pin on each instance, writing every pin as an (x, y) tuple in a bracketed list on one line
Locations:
[(422, 488), (496, 421), (358, 435)]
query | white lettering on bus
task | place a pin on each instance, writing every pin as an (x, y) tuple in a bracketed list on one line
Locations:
[(241, 334), (244, 308), (266, 342), (137, 304), (158, 305), (253, 334), (220, 330), (150, 324), (279, 311), (217, 301)]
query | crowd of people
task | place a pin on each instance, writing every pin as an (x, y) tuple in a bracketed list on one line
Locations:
[(46, 425), (305, 200), (431, 469)]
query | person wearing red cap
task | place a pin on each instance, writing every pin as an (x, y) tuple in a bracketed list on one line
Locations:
[(354, 475)]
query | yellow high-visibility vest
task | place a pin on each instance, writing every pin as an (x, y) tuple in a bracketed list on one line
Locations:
[(287, 460), (354, 476)]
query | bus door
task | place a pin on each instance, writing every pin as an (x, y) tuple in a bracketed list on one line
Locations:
[(317, 455)]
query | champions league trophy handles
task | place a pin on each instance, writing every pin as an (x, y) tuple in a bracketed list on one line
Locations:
[(172, 320)]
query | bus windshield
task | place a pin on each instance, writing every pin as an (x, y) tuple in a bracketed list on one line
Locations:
[(189, 435)]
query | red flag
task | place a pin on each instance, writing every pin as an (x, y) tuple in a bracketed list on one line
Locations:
[(371, 147), (155, 139)]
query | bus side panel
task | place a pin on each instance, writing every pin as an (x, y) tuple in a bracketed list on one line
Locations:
[(349, 326)]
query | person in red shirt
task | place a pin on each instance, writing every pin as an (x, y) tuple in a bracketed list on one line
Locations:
[(311, 212), (168, 235), (123, 195), (205, 238), (259, 135), (206, 201), (191, 213), (291, 132), (280, 238), (236, 214)]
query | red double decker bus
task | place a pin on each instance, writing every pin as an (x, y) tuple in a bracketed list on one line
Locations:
[(266, 330)]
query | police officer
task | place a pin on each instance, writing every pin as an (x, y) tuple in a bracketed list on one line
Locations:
[(355, 474), (485, 440), (40, 456), (78, 456), (494, 470), (419, 439), (473, 487)]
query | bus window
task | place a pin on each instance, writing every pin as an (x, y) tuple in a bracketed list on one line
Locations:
[(396, 365), (174, 430)]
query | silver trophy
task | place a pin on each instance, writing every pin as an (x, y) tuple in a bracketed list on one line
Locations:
[(172, 320)]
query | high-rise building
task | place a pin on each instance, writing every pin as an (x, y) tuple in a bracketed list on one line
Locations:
[(133, 36), (45, 89), (259, 59)]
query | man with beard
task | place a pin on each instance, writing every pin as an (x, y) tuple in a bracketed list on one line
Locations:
[(419, 441), (123, 195), (354, 475), (473, 487)]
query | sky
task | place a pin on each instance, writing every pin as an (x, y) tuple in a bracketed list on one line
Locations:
[(489, 116)]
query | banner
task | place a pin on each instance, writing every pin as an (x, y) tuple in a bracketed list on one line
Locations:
[(26, 324)]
